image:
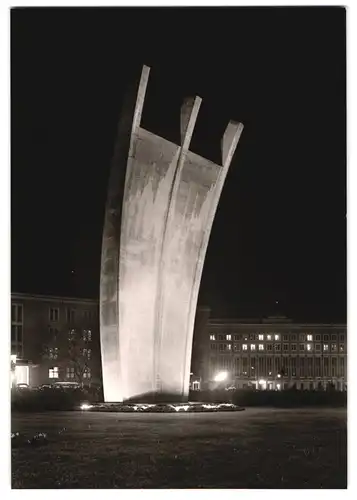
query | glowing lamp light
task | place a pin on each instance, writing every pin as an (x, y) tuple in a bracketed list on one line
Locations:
[(220, 376), (279, 375), (262, 382), (86, 406), (278, 386), (181, 407)]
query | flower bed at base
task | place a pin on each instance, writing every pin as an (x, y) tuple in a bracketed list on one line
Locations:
[(200, 401)]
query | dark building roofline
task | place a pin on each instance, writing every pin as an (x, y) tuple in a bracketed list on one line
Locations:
[(255, 322), (53, 298)]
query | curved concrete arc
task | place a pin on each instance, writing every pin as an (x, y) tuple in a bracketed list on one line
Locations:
[(161, 204)]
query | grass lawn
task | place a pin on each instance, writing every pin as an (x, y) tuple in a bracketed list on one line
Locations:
[(256, 448)]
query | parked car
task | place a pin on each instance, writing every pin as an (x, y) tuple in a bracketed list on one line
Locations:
[(66, 385)]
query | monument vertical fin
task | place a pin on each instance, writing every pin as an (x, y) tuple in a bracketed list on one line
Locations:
[(229, 144), (189, 113)]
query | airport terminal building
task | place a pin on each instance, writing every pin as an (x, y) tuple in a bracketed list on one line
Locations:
[(57, 339)]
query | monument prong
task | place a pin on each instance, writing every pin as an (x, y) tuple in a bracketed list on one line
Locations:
[(189, 113), (144, 78), (229, 141)]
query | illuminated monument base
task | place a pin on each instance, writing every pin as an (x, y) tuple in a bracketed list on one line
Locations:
[(161, 203)]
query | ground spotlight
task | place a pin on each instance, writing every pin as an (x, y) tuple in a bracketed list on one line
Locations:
[(86, 406)]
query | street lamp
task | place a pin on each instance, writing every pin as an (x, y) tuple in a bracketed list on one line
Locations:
[(220, 376)]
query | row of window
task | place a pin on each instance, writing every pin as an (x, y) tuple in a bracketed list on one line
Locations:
[(53, 353), (85, 335), (277, 347), (71, 314), (277, 337), (272, 367), (70, 373)]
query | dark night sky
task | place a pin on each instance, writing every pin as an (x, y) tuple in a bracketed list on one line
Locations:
[(280, 229)]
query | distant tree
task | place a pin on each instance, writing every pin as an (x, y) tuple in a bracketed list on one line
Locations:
[(79, 356)]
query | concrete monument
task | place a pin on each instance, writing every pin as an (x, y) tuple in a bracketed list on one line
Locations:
[(161, 203)]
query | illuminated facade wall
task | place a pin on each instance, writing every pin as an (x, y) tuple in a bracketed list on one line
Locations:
[(274, 354), (162, 199)]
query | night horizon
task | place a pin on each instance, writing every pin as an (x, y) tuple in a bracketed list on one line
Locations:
[(278, 243)]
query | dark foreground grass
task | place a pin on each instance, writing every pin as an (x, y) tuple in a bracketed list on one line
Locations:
[(257, 448)]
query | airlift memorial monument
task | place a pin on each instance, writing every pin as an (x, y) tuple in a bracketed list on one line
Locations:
[(161, 203)]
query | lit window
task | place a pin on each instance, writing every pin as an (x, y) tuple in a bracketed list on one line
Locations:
[(261, 337), (309, 347), (325, 347), (53, 372), (276, 337), (301, 347), (244, 347), (87, 373), (333, 347), (229, 347), (342, 347), (293, 347), (261, 347), (212, 337), (268, 337), (71, 334), (277, 347), (228, 337), (309, 338), (87, 335), (70, 372), (252, 347)]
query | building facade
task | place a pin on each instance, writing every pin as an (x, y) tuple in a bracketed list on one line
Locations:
[(273, 354), (54, 339)]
